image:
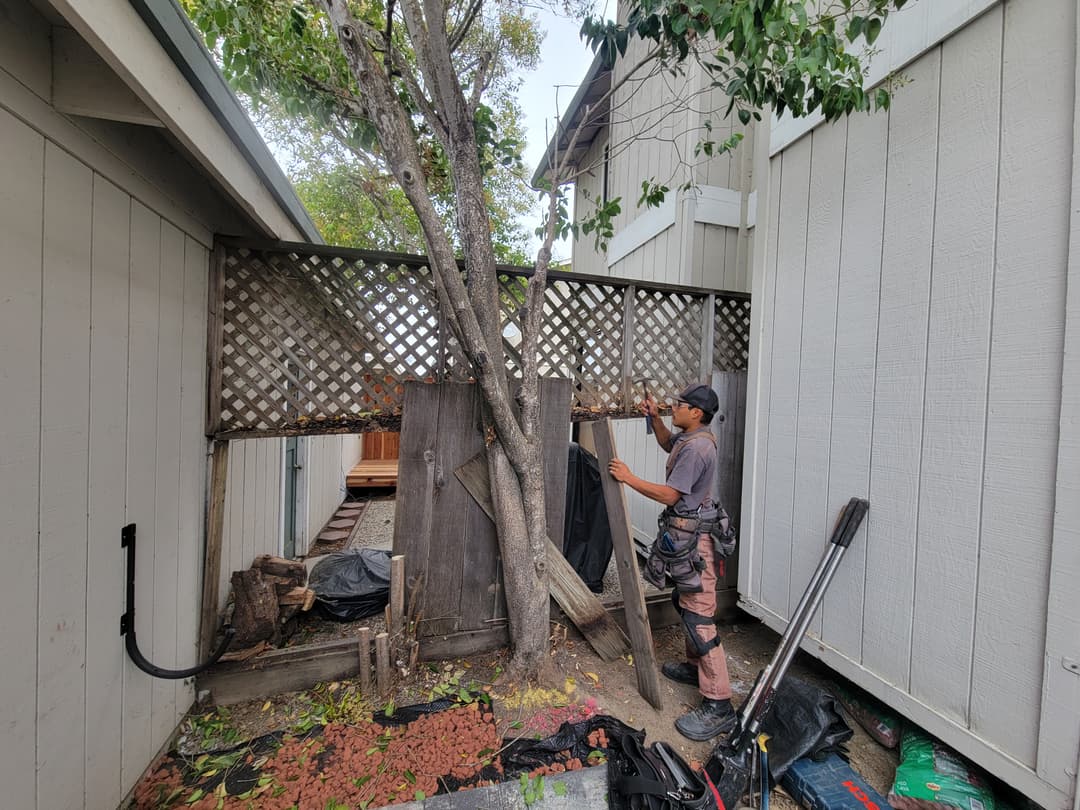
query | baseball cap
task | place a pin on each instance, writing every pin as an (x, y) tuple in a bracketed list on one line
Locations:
[(701, 396)]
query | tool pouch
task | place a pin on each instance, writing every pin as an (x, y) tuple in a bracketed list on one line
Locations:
[(675, 554), (723, 534)]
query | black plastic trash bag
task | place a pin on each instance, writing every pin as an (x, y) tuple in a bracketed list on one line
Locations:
[(351, 584), (586, 534), (805, 721), (522, 756)]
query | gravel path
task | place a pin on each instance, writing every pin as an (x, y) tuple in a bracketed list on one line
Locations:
[(376, 527)]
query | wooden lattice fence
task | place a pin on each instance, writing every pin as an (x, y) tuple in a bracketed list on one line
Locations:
[(310, 339)]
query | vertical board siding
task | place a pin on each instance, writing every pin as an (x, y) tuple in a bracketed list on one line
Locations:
[(162, 643), (193, 462), (811, 524), (947, 395), (1059, 733), (784, 378), (91, 316), (854, 369), (141, 466), (896, 451), (21, 176), (957, 367), (105, 581), (1025, 377), (762, 317), (65, 385), (252, 524)]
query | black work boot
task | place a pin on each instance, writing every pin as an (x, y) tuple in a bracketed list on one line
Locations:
[(681, 673), (711, 719)]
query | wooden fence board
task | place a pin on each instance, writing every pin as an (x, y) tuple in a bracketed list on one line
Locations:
[(585, 610), (449, 547), (637, 618), (416, 478)]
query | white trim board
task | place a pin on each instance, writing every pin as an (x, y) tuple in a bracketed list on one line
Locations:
[(960, 738), (906, 35), (710, 205), (647, 226)]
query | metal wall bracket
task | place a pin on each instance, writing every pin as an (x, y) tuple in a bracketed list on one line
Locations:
[(127, 623)]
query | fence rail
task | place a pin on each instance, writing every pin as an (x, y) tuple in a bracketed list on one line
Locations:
[(310, 339)]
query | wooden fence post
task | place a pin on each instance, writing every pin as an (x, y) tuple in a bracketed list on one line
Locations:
[(382, 663), (629, 300), (365, 661), (215, 526), (397, 594)]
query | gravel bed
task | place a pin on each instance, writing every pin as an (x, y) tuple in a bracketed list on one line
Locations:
[(376, 526)]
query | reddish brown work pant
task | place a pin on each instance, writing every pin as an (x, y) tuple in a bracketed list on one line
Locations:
[(713, 678)]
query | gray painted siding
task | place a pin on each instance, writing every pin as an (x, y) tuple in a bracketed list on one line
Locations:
[(909, 321), (104, 319), (253, 497)]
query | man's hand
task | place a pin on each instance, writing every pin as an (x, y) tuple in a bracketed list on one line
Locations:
[(650, 407), (618, 469)]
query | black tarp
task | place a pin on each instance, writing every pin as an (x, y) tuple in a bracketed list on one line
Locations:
[(586, 534)]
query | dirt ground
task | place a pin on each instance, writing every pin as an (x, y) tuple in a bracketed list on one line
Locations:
[(584, 685)]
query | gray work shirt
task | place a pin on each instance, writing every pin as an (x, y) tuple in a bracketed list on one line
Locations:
[(693, 471)]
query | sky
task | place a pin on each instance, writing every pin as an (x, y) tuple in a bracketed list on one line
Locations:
[(546, 92)]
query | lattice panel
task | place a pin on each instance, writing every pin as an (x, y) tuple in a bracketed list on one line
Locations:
[(581, 337), (307, 336), (667, 341), (330, 336), (731, 335)]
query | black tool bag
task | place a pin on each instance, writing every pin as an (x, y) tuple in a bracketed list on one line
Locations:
[(657, 778)]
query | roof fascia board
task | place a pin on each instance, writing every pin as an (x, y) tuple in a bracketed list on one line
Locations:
[(572, 114), (156, 52)]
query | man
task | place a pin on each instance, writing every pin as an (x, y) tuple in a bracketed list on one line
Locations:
[(684, 550)]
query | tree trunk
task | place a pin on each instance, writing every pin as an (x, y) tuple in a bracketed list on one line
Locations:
[(524, 571)]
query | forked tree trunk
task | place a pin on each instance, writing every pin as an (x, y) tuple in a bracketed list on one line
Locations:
[(514, 462)]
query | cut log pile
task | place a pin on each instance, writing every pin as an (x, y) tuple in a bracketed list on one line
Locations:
[(266, 599)]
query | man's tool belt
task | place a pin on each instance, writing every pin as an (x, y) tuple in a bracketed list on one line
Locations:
[(675, 554)]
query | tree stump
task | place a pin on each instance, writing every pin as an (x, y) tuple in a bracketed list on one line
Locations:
[(255, 609)]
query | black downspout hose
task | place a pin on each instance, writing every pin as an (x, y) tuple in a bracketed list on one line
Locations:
[(127, 623)]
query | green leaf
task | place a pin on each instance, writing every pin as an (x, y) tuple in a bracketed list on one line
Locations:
[(873, 28), (410, 777), (196, 794), (420, 795), (560, 788), (854, 28), (744, 116)]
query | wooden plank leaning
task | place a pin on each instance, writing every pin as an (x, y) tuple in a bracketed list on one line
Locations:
[(637, 617), (572, 595), (215, 526)]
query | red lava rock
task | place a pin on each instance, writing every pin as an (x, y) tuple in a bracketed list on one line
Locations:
[(310, 772)]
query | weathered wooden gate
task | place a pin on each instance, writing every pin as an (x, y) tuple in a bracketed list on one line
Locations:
[(450, 547)]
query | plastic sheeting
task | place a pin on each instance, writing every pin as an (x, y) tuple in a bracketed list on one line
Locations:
[(351, 584), (586, 534)]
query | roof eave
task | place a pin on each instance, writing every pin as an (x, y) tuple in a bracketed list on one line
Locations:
[(593, 87), (178, 38)]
